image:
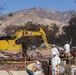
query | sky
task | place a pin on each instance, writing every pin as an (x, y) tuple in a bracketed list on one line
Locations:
[(57, 5)]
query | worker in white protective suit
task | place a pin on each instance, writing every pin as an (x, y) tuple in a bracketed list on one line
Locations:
[(67, 49), (55, 64), (54, 49)]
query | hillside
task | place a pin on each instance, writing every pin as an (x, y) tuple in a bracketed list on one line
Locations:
[(37, 15)]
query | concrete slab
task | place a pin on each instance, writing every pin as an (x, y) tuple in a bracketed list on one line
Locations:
[(3, 72)]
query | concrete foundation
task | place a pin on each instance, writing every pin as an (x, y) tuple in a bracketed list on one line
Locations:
[(3, 72)]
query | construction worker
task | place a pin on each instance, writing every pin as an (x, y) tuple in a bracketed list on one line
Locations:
[(67, 49), (55, 64), (54, 49), (33, 67)]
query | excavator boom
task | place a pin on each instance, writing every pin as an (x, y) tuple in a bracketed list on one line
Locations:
[(29, 33)]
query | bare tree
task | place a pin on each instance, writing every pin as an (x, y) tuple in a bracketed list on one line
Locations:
[(2, 7)]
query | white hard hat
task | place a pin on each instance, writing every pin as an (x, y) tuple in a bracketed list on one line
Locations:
[(53, 45), (37, 62)]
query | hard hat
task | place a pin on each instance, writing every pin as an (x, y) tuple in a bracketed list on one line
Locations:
[(53, 45), (37, 62)]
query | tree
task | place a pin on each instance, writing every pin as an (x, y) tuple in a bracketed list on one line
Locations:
[(2, 7), (1, 17), (53, 35), (10, 16), (55, 29), (70, 31)]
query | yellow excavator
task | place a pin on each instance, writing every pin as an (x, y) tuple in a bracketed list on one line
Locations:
[(10, 45)]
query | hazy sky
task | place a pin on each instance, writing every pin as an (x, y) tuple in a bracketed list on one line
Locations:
[(58, 5)]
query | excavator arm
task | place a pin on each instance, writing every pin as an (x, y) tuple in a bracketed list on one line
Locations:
[(41, 33)]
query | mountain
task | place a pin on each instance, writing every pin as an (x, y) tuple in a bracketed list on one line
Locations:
[(36, 15)]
